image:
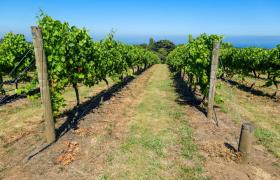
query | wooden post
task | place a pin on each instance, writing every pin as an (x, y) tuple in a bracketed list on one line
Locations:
[(41, 64), (1, 84), (245, 141), (212, 89)]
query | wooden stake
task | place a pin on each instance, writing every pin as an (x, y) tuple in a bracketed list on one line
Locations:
[(1, 84), (212, 89), (245, 141), (41, 64)]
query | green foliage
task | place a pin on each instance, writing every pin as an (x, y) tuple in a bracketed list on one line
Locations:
[(29, 87), (73, 57), (12, 49), (218, 97), (162, 48), (151, 43), (109, 59), (194, 59), (245, 61), (167, 45), (55, 38)]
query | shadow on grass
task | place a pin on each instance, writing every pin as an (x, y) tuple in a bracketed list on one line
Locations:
[(6, 99), (76, 114), (260, 78), (186, 96), (248, 89)]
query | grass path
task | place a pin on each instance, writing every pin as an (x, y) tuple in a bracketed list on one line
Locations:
[(159, 142)]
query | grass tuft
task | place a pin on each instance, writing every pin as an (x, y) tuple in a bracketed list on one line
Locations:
[(189, 149)]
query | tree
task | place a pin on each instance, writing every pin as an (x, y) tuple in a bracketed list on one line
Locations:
[(151, 43), (190, 38), (162, 48), (165, 44), (143, 45)]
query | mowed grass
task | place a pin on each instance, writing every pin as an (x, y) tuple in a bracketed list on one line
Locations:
[(263, 112), (159, 143)]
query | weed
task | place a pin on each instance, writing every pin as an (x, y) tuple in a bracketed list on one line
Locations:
[(193, 173), (268, 139), (188, 147)]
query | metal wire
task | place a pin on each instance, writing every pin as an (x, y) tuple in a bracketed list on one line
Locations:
[(17, 78), (21, 60), (12, 71), (4, 99), (24, 71)]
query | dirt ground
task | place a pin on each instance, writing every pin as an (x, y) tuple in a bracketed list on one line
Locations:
[(219, 144), (82, 152), (83, 145)]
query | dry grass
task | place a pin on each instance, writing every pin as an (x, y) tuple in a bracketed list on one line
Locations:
[(26, 114), (262, 111)]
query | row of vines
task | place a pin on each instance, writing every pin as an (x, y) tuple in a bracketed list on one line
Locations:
[(74, 58), (252, 61), (15, 55), (194, 61)]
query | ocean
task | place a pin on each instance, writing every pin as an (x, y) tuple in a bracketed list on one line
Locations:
[(237, 41), (255, 41)]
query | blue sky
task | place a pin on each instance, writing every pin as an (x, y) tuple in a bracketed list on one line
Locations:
[(148, 17)]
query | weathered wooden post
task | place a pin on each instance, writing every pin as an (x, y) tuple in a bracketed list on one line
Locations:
[(212, 88), (245, 141), (1, 84), (41, 64)]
